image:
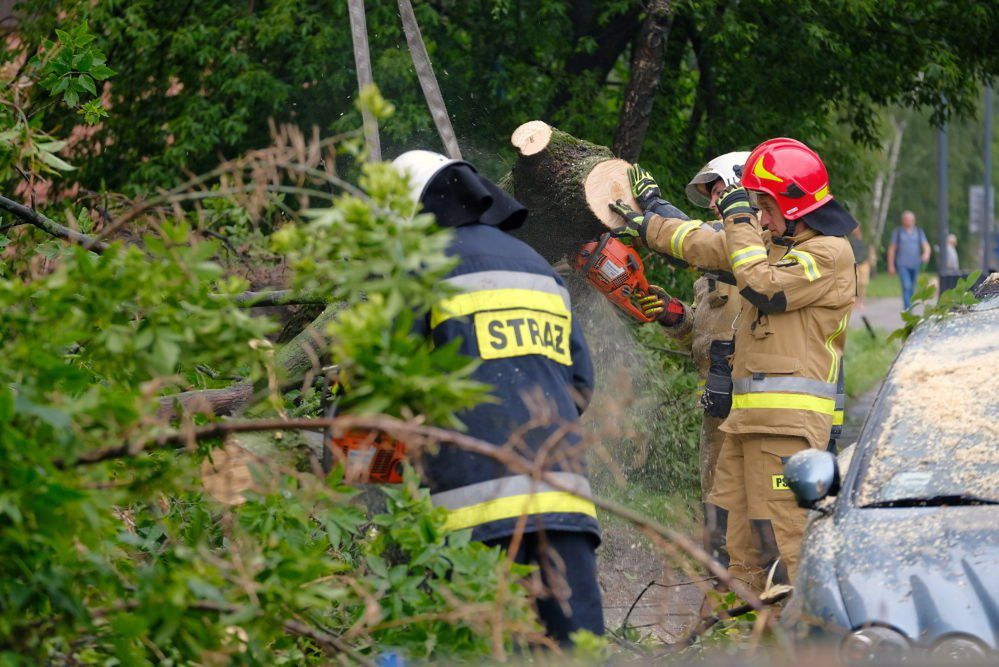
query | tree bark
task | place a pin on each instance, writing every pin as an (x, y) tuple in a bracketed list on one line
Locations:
[(706, 101), (886, 179), (36, 219), (647, 63), (612, 38), (294, 361), (567, 184)]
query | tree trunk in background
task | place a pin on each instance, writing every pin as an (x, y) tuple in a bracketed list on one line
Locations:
[(884, 184), (567, 184), (647, 61), (611, 38), (8, 21)]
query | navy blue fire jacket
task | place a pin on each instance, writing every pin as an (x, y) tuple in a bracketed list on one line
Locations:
[(513, 312)]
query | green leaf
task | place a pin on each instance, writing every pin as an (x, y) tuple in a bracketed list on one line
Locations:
[(101, 72), (87, 84), (166, 353), (71, 97), (55, 161)]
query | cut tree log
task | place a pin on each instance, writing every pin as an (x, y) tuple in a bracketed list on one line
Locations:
[(567, 184)]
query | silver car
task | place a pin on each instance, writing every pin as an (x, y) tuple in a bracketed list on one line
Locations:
[(900, 562)]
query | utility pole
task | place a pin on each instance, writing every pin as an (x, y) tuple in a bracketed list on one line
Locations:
[(987, 226), (942, 207), (362, 61)]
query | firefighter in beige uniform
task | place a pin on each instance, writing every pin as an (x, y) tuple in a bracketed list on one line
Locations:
[(789, 338)]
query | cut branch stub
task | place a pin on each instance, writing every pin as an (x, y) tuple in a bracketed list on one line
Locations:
[(567, 184), (532, 137)]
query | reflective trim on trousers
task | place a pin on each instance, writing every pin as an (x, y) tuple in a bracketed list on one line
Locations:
[(790, 384)]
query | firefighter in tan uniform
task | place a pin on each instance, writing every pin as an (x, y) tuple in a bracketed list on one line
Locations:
[(789, 339), (706, 326)]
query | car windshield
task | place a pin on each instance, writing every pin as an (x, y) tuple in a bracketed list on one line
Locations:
[(934, 433)]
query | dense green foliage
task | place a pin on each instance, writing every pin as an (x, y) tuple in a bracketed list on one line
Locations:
[(196, 80), (102, 104), (125, 556)]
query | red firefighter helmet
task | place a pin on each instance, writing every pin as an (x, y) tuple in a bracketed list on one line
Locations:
[(790, 172)]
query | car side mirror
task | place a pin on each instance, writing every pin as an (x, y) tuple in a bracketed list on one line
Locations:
[(812, 475)]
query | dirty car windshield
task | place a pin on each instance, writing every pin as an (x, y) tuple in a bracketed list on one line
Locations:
[(935, 429)]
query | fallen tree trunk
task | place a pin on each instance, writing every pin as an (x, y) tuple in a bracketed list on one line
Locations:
[(293, 361), (567, 184)]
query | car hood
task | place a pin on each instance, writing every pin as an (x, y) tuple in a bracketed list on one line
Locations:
[(927, 572)]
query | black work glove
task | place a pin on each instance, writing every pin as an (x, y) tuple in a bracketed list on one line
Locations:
[(734, 200), (648, 195), (643, 187), (636, 222), (716, 399)]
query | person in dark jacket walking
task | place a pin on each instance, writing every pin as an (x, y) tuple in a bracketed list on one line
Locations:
[(512, 311)]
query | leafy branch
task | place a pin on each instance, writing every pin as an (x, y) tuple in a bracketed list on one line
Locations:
[(418, 436), (32, 217), (953, 300)]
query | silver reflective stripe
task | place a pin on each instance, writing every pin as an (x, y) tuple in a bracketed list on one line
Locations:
[(797, 385), (504, 487), (490, 280)]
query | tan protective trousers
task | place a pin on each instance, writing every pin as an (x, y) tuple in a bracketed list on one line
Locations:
[(764, 521), (711, 442)]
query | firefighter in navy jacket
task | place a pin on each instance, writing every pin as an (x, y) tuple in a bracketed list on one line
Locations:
[(512, 311)]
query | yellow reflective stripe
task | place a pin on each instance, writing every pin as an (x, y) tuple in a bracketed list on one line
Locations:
[(676, 242), (834, 367), (746, 255), (511, 507), (770, 401), (821, 194), (838, 418), (461, 305), (807, 263)]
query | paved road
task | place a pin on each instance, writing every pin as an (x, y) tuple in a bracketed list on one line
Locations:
[(884, 314)]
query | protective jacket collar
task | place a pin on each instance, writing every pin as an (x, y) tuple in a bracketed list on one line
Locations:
[(830, 219), (457, 195)]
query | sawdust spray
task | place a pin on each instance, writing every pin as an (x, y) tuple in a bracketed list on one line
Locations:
[(643, 428)]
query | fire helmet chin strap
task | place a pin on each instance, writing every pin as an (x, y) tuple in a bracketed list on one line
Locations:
[(786, 239)]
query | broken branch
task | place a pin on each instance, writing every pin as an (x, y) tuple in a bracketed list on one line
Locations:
[(49, 226)]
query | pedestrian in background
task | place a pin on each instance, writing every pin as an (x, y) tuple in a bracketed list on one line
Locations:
[(952, 265), (862, 259), (907, 253)]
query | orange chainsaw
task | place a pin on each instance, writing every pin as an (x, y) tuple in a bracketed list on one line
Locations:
[(368, 457), (616, 270)]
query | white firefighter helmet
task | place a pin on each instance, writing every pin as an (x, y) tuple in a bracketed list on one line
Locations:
[(420, 167), (727, 167)]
